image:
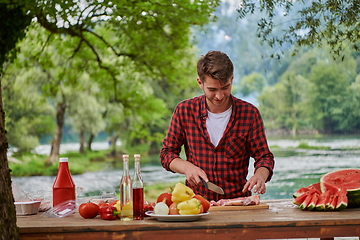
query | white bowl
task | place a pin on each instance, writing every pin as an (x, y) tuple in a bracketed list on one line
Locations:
[(27, 208)]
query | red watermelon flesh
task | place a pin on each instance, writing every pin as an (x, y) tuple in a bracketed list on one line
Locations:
[(303, 190), (298, 200), (348, 179), (323, 199), (331, 205), (313, 202), (308, 200)]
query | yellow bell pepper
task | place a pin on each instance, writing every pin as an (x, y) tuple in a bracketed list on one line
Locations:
[(181, 193), (189, 207)]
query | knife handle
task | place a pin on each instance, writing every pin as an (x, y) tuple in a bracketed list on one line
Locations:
[(203, 181)]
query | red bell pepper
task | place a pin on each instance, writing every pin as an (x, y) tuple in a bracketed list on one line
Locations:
[(108, 212)]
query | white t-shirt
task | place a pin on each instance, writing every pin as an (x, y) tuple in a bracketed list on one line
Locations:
[(216, 124)]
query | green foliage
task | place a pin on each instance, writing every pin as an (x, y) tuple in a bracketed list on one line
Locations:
[(14, 21), (32, 165), (112, 58), (315, 93), (253, 83), (28, 115), (304, 145), (307, 23)]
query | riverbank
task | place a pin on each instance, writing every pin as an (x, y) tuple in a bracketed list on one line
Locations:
[(298, 163)]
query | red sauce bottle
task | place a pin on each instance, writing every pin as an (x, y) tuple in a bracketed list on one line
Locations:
[(63, 187), (138, 191)]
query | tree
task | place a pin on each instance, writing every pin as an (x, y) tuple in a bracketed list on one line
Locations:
[(154, 36), (28, 115), (13, 24), (312, 23)]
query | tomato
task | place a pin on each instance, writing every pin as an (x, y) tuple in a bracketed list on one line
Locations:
[(149, 206), (88, 210), (167, 196), (205, 203)]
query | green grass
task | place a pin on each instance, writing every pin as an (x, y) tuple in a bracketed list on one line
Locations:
[(36, 165), (303, 145)]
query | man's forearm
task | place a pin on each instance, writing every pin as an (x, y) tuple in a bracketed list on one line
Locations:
[(178, 165)]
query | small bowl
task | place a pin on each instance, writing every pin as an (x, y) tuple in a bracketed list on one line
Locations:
[(27, 208)]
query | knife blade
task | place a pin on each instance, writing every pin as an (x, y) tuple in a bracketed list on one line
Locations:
[(211, 186)]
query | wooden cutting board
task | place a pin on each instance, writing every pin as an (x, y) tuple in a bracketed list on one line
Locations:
[(237, 208)]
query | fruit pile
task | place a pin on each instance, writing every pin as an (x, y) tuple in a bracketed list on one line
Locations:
[(181, 201), (335, 191)]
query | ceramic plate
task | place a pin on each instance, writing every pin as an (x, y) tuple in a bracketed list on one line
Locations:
[(176, 218)]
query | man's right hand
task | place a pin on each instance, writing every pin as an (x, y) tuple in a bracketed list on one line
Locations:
[(191, 171)]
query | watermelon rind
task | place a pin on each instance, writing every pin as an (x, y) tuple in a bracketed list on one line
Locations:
[(340, 179), (341, 205), (353, 198)]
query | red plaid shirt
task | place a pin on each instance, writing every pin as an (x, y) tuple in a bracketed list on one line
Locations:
[(227, 164)]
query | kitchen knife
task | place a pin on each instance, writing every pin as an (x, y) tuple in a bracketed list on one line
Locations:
[(211, 186)]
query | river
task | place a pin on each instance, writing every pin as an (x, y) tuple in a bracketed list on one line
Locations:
[(294, 168)]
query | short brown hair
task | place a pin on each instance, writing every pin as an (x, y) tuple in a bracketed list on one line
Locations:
[(217, 65)]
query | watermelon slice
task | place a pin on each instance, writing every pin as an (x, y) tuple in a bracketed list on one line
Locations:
[(314, 200), (306, 202), (330, 205), (303, 190), (348, 179), (342, 201), (323, 199), (298, 200)]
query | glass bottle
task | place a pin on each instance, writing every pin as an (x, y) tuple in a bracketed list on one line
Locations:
[(126, 202), (138, 190), (63, 187)]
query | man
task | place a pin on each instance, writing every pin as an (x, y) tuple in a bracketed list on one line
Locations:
[(219, 133)]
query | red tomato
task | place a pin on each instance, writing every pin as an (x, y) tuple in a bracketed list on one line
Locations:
[(149, 206), (205, 203), (167, 196), (88, 210)]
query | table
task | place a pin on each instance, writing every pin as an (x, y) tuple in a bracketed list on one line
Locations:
[(282, 220)]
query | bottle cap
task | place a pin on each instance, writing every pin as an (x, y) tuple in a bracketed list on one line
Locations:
[(137, 157), (125, 157), (63, 160)]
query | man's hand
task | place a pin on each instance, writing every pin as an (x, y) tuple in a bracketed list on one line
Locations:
[(191, 171), (257, 181)]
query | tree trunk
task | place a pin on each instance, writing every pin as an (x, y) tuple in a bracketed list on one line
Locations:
[(82, 140), (8, 228), (92, 136), (90, 140), (55, 143), (113, 145)]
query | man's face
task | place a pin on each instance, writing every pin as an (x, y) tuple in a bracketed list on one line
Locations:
[(217, 95)]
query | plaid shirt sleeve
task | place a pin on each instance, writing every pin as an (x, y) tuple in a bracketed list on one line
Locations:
[(173, 141)]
